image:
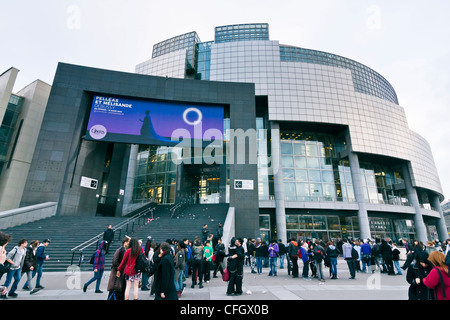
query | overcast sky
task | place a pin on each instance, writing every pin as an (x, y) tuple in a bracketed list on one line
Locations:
[(408, 42)]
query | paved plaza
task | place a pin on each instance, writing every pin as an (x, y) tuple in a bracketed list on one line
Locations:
[(260, 287)]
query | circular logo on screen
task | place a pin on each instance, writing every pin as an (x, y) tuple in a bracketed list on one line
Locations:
[(187, 115), (97, 132)]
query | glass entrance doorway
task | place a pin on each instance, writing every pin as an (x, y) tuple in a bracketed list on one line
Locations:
[(204, 183)]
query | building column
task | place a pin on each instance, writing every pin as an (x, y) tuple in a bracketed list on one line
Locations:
[(280, 212), (421, 232), (363, 217), (441, 225), (131, 172)]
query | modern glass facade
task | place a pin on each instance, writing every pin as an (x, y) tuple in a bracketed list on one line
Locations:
[(344, 143), (156, 174), (365, 80), (7, 127)]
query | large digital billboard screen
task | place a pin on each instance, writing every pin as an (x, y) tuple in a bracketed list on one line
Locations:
[(137, 121)]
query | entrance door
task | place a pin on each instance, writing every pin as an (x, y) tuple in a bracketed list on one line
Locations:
[(204, 182)]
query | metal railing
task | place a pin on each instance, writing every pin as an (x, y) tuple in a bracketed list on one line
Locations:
[(124, 228)]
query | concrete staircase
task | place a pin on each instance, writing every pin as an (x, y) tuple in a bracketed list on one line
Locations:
[(66, 233)]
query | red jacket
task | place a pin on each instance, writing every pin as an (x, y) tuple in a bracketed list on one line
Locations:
[(433, 281), (127, 264)]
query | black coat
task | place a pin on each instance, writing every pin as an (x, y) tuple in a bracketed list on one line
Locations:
[(164, 279), (418, 291), (30, 260)]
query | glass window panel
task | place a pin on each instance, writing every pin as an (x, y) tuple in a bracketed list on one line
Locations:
[(302, 191), (311, 150), (333, 223), (316, 191), (288, 174), (264, 222), (320, 222), (301, 175), (327, 176), (313, 163), (306, 222), (292, 222), (289, 191), (314, 176), (286, 148), (300, 162), (299, 149), (329, 191), (287, 162)]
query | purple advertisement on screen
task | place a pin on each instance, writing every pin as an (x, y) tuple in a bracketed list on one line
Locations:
[(150, 122)]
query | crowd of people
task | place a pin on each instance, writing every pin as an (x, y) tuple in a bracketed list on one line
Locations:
[(23, 259), (165, 268)]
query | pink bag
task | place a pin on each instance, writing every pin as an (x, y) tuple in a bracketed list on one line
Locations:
[(226, 275)]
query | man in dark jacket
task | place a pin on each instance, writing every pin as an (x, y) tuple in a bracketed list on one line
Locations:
[(386, 252), (40, 258), (108, 236), (282, 252)]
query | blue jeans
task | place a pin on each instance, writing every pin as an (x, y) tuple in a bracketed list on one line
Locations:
[(273, 266), (333, 266), (13, 274), (259, 264), (281, 261), (38, 270), (97, 277)]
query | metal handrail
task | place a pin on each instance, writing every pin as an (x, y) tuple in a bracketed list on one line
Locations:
[(95, 240)]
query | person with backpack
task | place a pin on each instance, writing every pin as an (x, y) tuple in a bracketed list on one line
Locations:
[(318, 256), (293, 256), (99, 268), (197, 263), (16, 258), (116, 285)]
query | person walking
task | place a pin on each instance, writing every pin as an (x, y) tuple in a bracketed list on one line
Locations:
[(164, 282), (108, 237), (16, 258), (29, 265), (116, 285), (396, 258), (99, 268), (41, 257), (127, 266), (273, 253), (438, 279)]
